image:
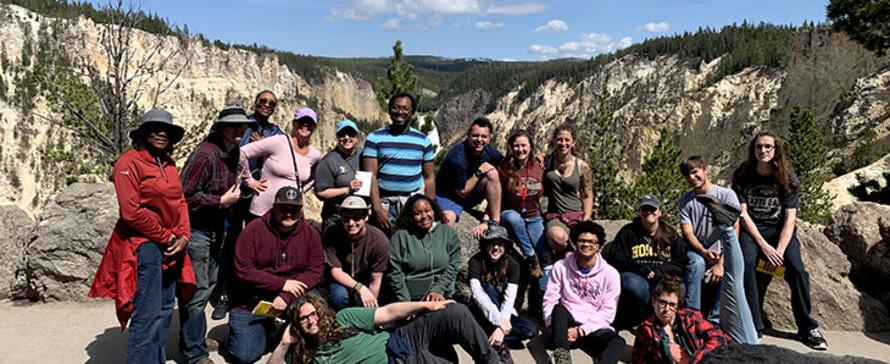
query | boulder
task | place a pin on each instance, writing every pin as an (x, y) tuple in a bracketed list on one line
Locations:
[(16, 225), (67, 244), (836, 303), (862, 230)]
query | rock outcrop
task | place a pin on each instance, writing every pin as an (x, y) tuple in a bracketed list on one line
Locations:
[(836, 303), (870, 178), (66, 246), (16, 225), (862, 230)]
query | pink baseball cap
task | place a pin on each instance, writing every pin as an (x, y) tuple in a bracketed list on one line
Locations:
[(306, 112)]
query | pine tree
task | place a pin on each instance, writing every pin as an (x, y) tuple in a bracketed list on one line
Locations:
[(612, 197), (660, 177), (399, 78), (809, 156)]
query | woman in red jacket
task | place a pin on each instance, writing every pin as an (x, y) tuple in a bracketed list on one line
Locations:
[(144, 258)]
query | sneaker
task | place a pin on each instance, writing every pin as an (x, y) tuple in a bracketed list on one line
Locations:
[(221, 309), (205, 360), (534, 269), (212, 344), (814, 339), (562, 356), (504, 354)]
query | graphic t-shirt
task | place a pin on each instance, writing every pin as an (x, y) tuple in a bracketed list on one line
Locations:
[(766, 205), (529, 180), (368, 345), (334, 171)]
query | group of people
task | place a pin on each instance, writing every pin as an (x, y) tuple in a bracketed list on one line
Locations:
[(374, 281)]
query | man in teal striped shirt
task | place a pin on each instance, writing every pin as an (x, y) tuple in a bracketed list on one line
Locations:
[(400, 159)]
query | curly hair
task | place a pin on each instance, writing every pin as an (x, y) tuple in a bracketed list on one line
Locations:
[(304, 348), (511, 165), (406, 217), (588, 226), (669, 284), (779, 166)]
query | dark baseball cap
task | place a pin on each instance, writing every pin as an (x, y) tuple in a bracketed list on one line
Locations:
[(289, 196), (649, 200)]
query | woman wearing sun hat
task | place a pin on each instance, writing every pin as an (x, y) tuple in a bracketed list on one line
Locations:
[(289, 161), (145, 255)]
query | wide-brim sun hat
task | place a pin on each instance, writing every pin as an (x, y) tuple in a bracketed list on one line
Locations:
[(231, 115), (155, 118)]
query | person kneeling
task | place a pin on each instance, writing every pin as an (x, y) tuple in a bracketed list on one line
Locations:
[(317, 334), (675, 335), (494, 282), (581, 299)]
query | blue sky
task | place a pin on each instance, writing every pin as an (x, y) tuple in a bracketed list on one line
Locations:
[(495, 29)]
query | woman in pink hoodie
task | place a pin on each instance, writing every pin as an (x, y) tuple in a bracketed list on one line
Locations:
[(582, 298)]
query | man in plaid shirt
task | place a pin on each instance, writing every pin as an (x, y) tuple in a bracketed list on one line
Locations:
[(211, 188), (674, 335)]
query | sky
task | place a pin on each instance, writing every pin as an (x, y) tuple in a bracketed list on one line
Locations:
[(527, 30)]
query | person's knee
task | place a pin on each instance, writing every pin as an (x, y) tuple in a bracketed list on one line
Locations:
[(450, 217), (244, 354), (635, 286), (696, 264)]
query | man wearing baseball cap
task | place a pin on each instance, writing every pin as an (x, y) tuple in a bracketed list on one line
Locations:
[(357, 255), (211, 189), (278, 257), (335, 173)]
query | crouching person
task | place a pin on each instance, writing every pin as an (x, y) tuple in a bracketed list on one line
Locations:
[(581, 299), (494, 282), (674, 335), (278, 258), (318, 335)]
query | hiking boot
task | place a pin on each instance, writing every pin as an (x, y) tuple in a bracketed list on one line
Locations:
[(221, 309), (814, 339), (562, 356), (212, 344), (534, 269), (205, 360), (504, 354)]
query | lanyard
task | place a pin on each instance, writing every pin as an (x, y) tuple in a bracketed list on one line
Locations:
[(523, 186)]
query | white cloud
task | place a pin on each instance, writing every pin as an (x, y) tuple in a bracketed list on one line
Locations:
[(554, 25), (486, 25), (508, 60), (391, 24), (587, 45), (419, 10), (655, 27)]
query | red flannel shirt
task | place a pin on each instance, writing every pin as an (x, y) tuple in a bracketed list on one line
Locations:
[(699, 335), (152, 209), (207, 175), (264, 260)]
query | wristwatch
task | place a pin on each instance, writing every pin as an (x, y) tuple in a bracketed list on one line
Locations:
[(479, 173)]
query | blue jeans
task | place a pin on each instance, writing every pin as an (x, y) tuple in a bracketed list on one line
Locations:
[(152, 307), (526, 231), (522, 327), (247, 336), (633, 303), (693, 280), (203, 250), (340, 297), (735, 314)]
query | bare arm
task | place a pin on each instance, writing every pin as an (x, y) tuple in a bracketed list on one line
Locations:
[(332, 193), (689, 235), (376, 281), (402, 310), (586, 191), (750, 227), (429, 179), (342, 278)]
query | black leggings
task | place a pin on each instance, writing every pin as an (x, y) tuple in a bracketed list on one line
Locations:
[(605, 345)]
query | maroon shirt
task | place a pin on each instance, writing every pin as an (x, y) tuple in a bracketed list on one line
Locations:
[(529, 180), (264, 260)]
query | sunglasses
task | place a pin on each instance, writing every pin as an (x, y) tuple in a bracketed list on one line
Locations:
[(266, 102), (347, 134), (353, 217)]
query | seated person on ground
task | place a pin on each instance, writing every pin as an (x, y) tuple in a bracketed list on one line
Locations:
[(581, 300), (357, 255), (494, 283), (318, 335), (424, 253), (673, 334), (468, 175), (278, 257), (644, 251)]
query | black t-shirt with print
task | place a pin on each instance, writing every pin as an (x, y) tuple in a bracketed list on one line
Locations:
[(765, 203)]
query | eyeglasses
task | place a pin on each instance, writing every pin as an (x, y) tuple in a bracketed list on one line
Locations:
[(308, 316), (765, 146), (666, 304), (266, 102), (400, 108), (586, 241), (305, 123)]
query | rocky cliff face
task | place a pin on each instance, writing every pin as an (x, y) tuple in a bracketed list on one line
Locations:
[(210, 78)]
